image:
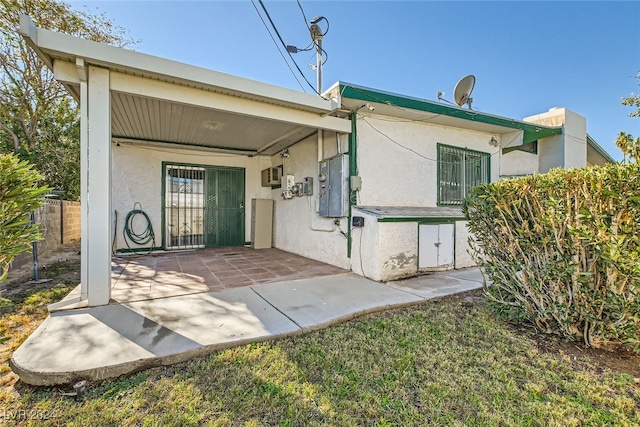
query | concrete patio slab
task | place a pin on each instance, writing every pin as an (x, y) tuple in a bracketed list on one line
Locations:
[(317, 302), (216, 317), (121, 338), (104, 342), (440, 284), (473, 274), (160, 275)]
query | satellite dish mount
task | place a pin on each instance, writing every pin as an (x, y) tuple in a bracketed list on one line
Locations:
[(462, 92)]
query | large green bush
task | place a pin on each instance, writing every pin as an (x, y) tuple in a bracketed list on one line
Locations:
[(19, 195), (562, 250)]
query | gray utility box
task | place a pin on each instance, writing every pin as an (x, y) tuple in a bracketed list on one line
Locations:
[(333, 186)]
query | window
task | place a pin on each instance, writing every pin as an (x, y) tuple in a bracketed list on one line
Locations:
[(459, 170)]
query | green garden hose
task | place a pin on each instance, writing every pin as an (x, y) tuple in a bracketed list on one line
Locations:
[(143, 237)]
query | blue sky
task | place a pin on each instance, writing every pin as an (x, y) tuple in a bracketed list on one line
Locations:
[(527, 56)]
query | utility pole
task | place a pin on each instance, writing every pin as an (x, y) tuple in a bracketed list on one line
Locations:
[(316, 36)]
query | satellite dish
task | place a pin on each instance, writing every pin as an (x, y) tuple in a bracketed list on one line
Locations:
[(462, 92)]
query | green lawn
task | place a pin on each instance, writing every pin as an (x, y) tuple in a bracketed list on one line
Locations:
[(446, 362)]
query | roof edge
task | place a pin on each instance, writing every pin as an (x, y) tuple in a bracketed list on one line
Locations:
[(592, 142), (100, 54), (532, 131)]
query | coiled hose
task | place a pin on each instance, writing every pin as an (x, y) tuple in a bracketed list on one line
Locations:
[(143, 237)]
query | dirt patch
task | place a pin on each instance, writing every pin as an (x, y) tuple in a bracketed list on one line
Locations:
[(63, 266), (620, 360), (23, 306)]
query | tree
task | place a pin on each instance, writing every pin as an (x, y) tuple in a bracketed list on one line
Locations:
[(19, 195), (630, 147), (39, 121)]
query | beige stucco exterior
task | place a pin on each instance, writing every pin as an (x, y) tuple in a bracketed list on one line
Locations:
[(142, 108), (397, 162), (137, 178), (297, 224), (391, 176), (568, 150), (400, 169)]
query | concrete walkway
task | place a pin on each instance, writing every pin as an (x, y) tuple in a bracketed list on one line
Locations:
[(105, 342)]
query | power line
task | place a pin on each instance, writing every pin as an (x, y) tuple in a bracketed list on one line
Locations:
[(277, 47), (303, 14), (284, 44), (394, 141)]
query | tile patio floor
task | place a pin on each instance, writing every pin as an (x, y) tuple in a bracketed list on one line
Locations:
[(136, 278)]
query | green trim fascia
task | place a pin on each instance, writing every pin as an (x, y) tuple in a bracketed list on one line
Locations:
[(532, 131), (530, 148), (353, 171), (592, 142), (423, 219)]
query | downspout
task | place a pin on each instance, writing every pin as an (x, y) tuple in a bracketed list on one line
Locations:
[(353, 171), (320, 145)]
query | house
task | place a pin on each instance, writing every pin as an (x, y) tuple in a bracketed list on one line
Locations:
[(359, 178)]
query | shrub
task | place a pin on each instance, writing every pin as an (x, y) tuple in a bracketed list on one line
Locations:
[(562, 250), (19, 195)]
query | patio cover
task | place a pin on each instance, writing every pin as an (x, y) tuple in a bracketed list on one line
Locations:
[(131, 97)]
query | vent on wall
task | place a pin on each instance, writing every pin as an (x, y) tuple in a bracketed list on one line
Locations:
[(271, 176)]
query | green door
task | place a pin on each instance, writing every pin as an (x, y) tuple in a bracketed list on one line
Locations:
[(224, 207)]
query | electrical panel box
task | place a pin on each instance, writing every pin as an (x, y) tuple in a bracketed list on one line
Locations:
[(288, 184), (307, 186), (270, 176), (288, 181), (333, 186)]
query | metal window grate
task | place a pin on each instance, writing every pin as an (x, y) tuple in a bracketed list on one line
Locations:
[(459, 170), (184, 207)]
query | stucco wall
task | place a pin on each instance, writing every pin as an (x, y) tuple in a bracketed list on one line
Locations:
[(365, 254), (395, 176), (295, 219), (384, 251), (463, 258), (398, 250), (406, 176), (550, 153), (568, 150), (517, 163), (137, 177), (594, 158)]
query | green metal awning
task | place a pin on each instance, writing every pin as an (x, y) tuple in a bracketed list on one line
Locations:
[(531, 131)]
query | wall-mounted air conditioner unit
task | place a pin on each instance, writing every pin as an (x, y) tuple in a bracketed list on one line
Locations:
[(271, 176)]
